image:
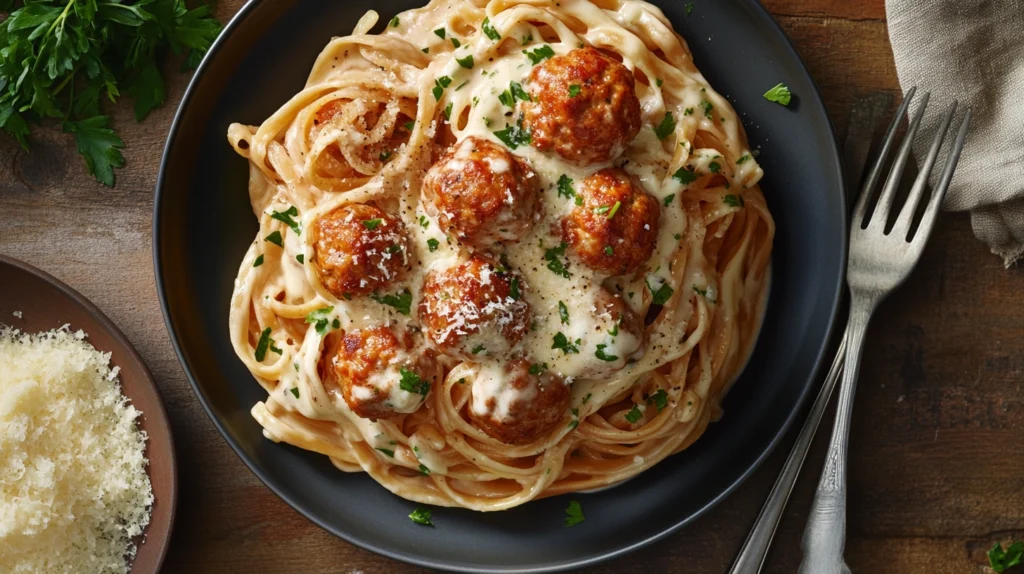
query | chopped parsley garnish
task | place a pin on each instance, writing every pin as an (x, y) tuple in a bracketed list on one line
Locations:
[(425, 50), (527, 39), (565, 187), (574, 423), (479, 349), (258, 261), (514, 92), (294, 391), (402, 302), (385, 155), (515, 135), (300, 258), (394, 248), (586, 398), (608, 250), (701, 292), (658, 82), (448, 111), (615, 329), (513, 289), (615, 209), (554, 258), (659, 399), (319, 319), (707, 108), (743, 158), (668, 199), (563, 313), (455, 42), (489, 30), (1001, 559), (574, 90), (661, 294), (562, 343), (780, 94), (733, 200), (432, 244), (688, 112), (276, 239), (424, 222), (424, 470), (667, 126), (440, 32), (601, 210), (540, 54), (410, 125), (600, 354), (387, 451), (634, 415), (372, 224), (689, 9), (286, 218), (421, 516), (440, 85), (412, 383), (394, 22), (714, 167), (466, 62), (264, 344), (685, 175), (538, 368), (574, 514)]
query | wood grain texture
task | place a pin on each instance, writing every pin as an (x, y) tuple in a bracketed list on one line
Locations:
[(938, 426)]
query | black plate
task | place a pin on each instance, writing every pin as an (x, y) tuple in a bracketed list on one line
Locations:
[(203, 224)]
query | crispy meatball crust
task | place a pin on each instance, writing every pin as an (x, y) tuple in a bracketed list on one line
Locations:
[(597, 123), (473, 312), (358, 249), (609, 239), (516, 407), (481, 193), (366, 365)]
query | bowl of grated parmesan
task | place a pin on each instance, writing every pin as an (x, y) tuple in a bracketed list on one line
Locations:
[(87, 468)]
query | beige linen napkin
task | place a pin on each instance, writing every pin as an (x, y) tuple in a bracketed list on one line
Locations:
[(972, 51)]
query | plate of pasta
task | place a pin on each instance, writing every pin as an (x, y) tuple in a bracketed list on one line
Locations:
[(501, 268)]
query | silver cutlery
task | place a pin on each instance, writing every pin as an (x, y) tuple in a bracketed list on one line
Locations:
[(880, 260)]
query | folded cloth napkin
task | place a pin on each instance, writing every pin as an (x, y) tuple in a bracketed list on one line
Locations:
[(971, 51)]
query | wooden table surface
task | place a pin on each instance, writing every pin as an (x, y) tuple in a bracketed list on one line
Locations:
[(936, 468)]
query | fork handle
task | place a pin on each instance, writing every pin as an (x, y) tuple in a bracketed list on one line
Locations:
[(825, 534)]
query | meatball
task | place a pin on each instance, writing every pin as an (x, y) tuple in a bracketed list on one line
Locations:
[(615, 227), (378, 373), (515, 406), (472, 311), (358, 249), (584, 107), (481, 193)]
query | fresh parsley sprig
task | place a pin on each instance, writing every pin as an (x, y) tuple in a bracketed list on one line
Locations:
[(60, 58)]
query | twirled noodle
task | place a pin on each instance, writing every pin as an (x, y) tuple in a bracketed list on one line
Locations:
[(372, 119)]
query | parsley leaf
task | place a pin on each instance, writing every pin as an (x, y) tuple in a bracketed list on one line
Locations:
[(421, 516), (455, 42), (780, 94), (412, 383), (319, 319), (1001, 559), (258, 261), (466, 62), (707, 108), (489, 30), (574, 90), (432, 244), (514, 136), (565, 187), (98, 144), (743, 158), (600, 354), (714, 167), (294, 391), (667, 126), (448, 111), (689, 9), (479, 349), (563, 313), (554, 257), (659, 399), (402, 302), (574, 514), (668, 199), (513, 289), (424, 470), (538, 368), (276, 239), (394, 22), (440, 33), (615, 209), (287, 218), (562, 343), (372, 224), (733, 200), (634, 415), (685, 175), (387, 451), (540, 54), (264, 344), (514, 92), (661, 294), (440, 85)]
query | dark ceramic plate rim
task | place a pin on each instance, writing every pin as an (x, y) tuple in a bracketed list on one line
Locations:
[(815, 101), (155, 416)]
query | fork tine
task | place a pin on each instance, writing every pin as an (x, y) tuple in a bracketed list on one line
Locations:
[(931, 212), (881, 214), (902, 226), (876, 170)]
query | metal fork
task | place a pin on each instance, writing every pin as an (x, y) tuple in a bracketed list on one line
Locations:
[(879, 262)]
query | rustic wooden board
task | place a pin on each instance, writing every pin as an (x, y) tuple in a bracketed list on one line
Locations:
[(938, 427)]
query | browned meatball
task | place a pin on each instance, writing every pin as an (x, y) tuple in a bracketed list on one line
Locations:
[(516, 407), (473, 312), (584, 107), (377, 373), (615, 228), (358, 249), (481, 193)]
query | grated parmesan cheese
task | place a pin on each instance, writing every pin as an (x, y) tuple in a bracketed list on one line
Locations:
[(73, 484)]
